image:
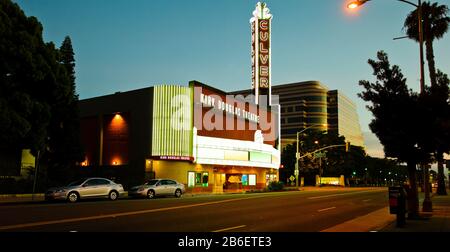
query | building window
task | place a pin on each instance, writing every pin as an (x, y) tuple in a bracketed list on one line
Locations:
[(248, 180), (191, 179), (270, 177), (205, 178), (244, 180), (252, 180), (289, 131), (320, 120), (332, 110), (290, 109), (198, 179), (295, 119), (316, 98), (316, 109)]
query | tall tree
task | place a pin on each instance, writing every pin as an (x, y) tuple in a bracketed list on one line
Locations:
[(65, 147), (435, 25), (435, 105), (26, 73), (38, 102), (395, 122)]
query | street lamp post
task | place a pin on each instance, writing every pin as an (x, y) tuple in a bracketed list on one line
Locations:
[(427, 204), (297, 154), (36, 167)]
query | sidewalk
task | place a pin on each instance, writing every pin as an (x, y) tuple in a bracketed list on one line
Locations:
[(20, 198), (382, 221), (371, 222), (436, 221)]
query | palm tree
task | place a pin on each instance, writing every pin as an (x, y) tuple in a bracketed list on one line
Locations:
[(435, 25)]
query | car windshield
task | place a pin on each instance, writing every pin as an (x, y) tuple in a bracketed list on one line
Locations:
[(77, 183), (151, 182)]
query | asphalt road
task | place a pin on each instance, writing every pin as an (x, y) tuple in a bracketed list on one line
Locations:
[(299, 211)]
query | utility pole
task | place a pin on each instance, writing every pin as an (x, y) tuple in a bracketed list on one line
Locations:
[(297, 157), (427, 205), (36, 166)]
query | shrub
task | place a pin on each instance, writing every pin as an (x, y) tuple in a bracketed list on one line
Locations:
[(275, 186)]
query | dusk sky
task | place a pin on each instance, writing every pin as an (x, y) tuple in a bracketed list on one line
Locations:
[(126, 45)]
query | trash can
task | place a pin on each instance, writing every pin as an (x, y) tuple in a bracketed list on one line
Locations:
[(397, 203)]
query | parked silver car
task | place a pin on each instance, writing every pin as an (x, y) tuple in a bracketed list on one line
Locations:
[(157, 187), (86, 188)]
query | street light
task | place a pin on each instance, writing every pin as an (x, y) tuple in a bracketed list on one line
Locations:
[(356, 4), (297, 157), (427, 204)]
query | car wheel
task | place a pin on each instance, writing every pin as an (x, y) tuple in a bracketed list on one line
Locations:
[(113, 195), (178, 193), (150, 194), (72, 197)]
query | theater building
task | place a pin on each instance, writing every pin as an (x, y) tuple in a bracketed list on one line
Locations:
[(197, 135)]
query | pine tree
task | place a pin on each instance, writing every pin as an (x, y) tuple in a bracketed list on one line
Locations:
[(65, 147)]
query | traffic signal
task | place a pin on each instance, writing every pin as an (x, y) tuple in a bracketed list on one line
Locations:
[(347, 146)]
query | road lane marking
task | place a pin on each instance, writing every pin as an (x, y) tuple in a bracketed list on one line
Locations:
[(326, 209), (45, 223), (340, 194), (227, 229), (97, 217)]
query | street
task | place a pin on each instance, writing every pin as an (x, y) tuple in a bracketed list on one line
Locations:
[(299, 211)]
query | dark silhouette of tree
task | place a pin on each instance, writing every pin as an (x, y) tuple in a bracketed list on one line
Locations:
[(26, 75), (64, 143), (336, 162), (435, 105), (395, 122), (435, 25), (38, 102)]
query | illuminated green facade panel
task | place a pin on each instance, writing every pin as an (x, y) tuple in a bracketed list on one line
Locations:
[(260, 157), (172, 121)]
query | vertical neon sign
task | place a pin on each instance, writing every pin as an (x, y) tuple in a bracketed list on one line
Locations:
[(261, 52)]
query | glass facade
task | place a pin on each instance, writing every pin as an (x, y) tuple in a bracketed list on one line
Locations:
[(343, 118), (303, 104)]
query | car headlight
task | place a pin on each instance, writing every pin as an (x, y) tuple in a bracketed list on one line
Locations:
[(60, 191)]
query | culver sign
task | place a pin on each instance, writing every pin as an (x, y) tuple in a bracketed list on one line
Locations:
[(261, 57), (262, 77)]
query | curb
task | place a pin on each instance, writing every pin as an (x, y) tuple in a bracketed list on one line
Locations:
[(372, 222), (13, 196)]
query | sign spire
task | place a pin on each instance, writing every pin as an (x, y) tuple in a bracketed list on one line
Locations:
[(261, 54)]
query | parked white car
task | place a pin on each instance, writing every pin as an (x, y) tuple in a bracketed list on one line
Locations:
[(86, 188), (157, 187)]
